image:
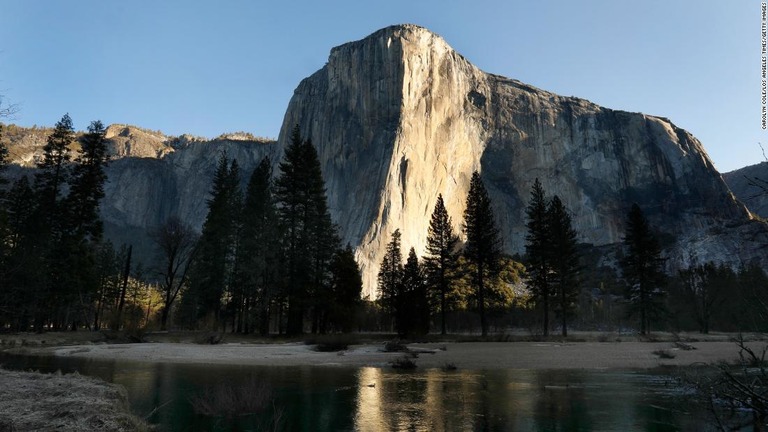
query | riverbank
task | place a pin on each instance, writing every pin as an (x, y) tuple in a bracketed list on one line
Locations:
[(612, 353), (36, 401)]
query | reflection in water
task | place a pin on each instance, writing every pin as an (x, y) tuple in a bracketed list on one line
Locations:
[(374, 399)]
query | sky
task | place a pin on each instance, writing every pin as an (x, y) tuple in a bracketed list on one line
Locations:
[(214, 66)]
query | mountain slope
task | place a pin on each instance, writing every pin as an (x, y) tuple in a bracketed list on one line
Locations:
[(747, 184)]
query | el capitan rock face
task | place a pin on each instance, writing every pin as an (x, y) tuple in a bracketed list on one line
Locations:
[(400, 117)]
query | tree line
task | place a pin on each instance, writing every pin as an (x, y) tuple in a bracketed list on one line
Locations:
[(698, 297), (269, 260), (51, 266)]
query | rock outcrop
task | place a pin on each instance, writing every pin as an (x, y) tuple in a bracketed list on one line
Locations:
[(399, 117)]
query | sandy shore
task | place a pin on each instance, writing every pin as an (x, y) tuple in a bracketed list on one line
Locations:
[(464, 355), (35, 401)]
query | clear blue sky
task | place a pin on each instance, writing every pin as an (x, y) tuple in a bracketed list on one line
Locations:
[(208, 67)]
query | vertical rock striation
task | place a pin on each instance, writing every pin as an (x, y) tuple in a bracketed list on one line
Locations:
[(399, 117)]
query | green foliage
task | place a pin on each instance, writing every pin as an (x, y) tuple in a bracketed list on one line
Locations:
[(441, 262), (53, 169), (258, 252), (749, 309), (537, 251), (50, 234), (346, 286), (414, 316), (309, 236), (483, 245), (563, 257), (212, 270), (87, 185), (390, 278), (642, 269), (700, 290), (503, 291)]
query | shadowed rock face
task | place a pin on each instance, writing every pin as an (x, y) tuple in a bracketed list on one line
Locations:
[(400, 117), (151, 177), (750, 185)]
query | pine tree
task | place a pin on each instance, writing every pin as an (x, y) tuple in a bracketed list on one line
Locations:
[(87, 185), (390, 279), (22, 262), (483, 245), (323, 241), (53, 169), (537, 248), (564, 260), (642, 268), (211, 272), (346, 286), (441, 261), (310, 238), (48, 226), (258, 249), (414, 313)]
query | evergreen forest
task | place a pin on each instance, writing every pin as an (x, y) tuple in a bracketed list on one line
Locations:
[(269, 261)]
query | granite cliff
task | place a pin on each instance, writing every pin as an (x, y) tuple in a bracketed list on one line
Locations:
[(400, 117), (150, 176)]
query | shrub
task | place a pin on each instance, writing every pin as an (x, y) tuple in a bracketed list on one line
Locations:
[(395, 346), (448, 367), (403, 363), (209, 338), (332, 343), (664, 354)]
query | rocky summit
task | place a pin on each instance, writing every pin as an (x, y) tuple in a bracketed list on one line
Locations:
[(400, 117)]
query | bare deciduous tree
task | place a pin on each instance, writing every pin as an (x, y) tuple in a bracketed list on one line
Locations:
[(177, 244)]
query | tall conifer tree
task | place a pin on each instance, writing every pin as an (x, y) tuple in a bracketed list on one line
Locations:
[(87, 185), (49, 221), (564, 260), (537, 248), (414, 318), (441, 261), (346, 286), (642, 268), (483, 246), (211, 271), (259, 248), (390, 279), (310, 236), (53, 168)]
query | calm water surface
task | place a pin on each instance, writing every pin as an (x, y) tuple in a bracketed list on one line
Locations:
[(375, 399)]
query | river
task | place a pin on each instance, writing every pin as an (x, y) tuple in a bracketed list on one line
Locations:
[(375, 399)]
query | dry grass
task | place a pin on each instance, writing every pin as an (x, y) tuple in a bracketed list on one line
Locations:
[(35, 401)]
